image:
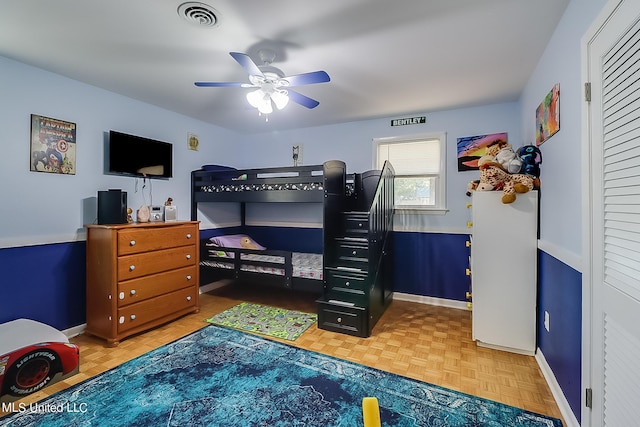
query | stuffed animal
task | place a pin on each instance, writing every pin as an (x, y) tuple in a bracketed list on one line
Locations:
[(472, 186), (247, 243), (494, 177), (509, 159), (531, 158)]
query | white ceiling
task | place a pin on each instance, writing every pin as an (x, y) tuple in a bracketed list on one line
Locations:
[(385, 58)]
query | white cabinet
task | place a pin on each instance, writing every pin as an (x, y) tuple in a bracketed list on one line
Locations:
[(504, 271)]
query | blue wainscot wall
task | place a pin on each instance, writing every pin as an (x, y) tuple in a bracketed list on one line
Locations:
[(560, 294), (44, 283), (431, 264)]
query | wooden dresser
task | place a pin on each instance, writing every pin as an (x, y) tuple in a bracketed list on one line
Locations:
[(140, 276)]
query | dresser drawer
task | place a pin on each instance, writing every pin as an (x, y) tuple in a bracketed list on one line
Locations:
[(136, 315), (138, 265), (136, 290), (353, 250), (135, 240), (344, 318), (356, 225), (346, 279)]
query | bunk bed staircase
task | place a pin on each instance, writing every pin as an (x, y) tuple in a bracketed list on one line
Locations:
[(357, 253)]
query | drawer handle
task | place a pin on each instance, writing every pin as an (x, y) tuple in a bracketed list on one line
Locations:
[(132, 243), (121, 320), (121, 295), (133, 317), (132, 267), (188, 277), (132, 292), (354, 252), (188, 235), (188, 256), (346, 283), (339, 319), (189, 298), (360, 225)]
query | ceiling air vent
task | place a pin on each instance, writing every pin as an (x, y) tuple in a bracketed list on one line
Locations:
[(199, 14)]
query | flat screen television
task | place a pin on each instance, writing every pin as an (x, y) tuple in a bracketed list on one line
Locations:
[(137, 156)]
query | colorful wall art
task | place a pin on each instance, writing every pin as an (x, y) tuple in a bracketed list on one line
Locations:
[(548, 116), (471, 148)]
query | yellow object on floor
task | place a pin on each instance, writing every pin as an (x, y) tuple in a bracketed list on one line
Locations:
[(371, 412)]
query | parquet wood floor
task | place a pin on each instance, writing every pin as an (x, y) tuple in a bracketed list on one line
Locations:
[(423, 342)]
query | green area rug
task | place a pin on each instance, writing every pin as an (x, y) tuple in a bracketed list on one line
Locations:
[(265, 320)]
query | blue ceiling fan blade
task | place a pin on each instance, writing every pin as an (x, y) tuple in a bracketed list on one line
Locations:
[(308, 78), (299, 98), (219, 84), (247, 63)]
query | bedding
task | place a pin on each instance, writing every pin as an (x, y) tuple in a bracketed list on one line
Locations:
[(304, 265), (236, 241)]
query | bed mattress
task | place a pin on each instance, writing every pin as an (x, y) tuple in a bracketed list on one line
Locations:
[(304, 265)]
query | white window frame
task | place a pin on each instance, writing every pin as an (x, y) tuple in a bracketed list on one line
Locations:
[(440, 205)]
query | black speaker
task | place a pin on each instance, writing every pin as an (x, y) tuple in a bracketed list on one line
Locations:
[(112, 207)]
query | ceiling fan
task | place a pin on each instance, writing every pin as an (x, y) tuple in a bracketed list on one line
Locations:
[(273, 87)]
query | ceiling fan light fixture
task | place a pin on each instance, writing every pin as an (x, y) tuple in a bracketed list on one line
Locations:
[(255, 97), (260, 100), (280, 98)]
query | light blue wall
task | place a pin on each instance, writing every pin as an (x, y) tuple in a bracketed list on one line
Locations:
[(353, 144), (560, 209), (42, 207)]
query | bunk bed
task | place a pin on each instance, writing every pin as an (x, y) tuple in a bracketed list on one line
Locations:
[(352, 275), (226, 257)]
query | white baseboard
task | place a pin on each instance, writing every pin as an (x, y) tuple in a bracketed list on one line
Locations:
[(442, 302), (214, 285), (568, 415), (75, 331)]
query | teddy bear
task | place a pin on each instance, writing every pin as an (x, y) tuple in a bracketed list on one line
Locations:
[(509, 159)]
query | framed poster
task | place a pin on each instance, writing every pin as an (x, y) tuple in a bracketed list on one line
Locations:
[(471, 148), (548, 116), (53, 145)]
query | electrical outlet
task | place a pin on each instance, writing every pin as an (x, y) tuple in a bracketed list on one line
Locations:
[(546, 320), (297, 155)]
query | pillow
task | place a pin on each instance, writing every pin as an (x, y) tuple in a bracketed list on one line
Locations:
[(222, 172), (236, 241)]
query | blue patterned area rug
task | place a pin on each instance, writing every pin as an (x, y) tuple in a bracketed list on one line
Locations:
[(223, 377)]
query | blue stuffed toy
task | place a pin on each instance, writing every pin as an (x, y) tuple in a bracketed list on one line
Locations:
[(531, 157)]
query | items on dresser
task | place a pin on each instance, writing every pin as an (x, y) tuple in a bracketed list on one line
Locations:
[(140, 276), (112, 207), (504, 271)]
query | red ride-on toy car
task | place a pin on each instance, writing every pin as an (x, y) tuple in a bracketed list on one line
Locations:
[(32, 356)]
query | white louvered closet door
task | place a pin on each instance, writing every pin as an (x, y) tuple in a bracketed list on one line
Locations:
[(613, 262)]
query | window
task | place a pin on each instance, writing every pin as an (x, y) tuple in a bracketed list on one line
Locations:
[(419, 162)]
